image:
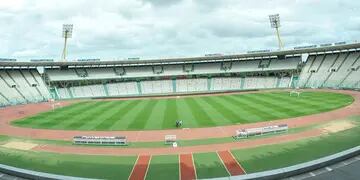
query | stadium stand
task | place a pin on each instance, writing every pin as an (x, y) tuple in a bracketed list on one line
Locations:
[(339, 70), (260, 82), (312, 68), (64, 93), (157, 87), (22, 86), (221, 84), (122, 89)]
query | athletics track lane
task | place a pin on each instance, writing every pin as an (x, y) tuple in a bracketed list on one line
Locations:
[(187, 168), (233, 167), (140, 168)]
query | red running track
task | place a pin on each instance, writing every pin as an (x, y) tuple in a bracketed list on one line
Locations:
[(140, 168), (187, 168), (231, 164)]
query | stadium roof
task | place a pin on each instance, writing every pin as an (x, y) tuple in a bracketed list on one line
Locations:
[(245, 56)]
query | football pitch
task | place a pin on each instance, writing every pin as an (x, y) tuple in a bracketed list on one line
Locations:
[(195, 112)]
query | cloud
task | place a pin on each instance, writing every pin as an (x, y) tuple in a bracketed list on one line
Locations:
[(162, 3), (168, 28)]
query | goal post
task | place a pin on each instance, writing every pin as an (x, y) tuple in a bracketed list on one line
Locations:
[(294, 93), (54, 104)]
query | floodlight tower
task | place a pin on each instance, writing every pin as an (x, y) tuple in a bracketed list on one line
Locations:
[(67, 33), (275, 23)]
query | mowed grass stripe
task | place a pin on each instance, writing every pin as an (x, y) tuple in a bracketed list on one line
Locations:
[(47, 116), (121, 111), (254, 109), (50, 115), (315, 106), (317, 97), (213, 112), (142, 116), (130, 116), (156, 117), (224, 110), (209, 165), (245, 115), (255, 102), (308, 102), (288, 105), (305, 105), (106, 113), (201, 116), (163, 167), (185, 114), (279, 110), (78, 117), (170, 114), (87, 121), (68, 116)]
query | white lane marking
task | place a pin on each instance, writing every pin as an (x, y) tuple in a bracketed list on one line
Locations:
[(312, 174), (328, 169)]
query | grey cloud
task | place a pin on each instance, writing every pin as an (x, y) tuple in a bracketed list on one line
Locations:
[(162, 3), (150, 28)]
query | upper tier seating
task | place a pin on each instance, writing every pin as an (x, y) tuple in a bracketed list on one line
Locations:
[(331, 70), (22, 86), (172, 70)]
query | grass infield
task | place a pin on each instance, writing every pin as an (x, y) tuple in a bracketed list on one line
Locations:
[(209, 165), (195, 112), (163, 167)]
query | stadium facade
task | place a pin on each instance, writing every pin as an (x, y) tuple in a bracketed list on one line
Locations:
[(325, 66)]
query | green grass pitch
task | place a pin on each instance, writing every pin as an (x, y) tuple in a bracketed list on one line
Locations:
[(195, 112)]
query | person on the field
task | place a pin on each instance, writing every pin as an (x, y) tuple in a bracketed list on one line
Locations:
[(178, 123)]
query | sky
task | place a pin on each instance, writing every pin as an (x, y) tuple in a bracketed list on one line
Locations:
[(118, 29)]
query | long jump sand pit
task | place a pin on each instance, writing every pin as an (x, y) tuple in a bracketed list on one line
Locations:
[(338, 126), (19, 145)]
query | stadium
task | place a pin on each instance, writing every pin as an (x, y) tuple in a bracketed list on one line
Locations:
[(266, 114)]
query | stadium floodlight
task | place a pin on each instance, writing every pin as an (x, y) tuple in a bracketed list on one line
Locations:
[(67, 33), (275, 23)]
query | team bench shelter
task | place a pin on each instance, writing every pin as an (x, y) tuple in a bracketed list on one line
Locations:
[(101, 140), (245, 133)]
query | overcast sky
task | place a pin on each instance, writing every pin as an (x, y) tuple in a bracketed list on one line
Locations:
[(169, 28)]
